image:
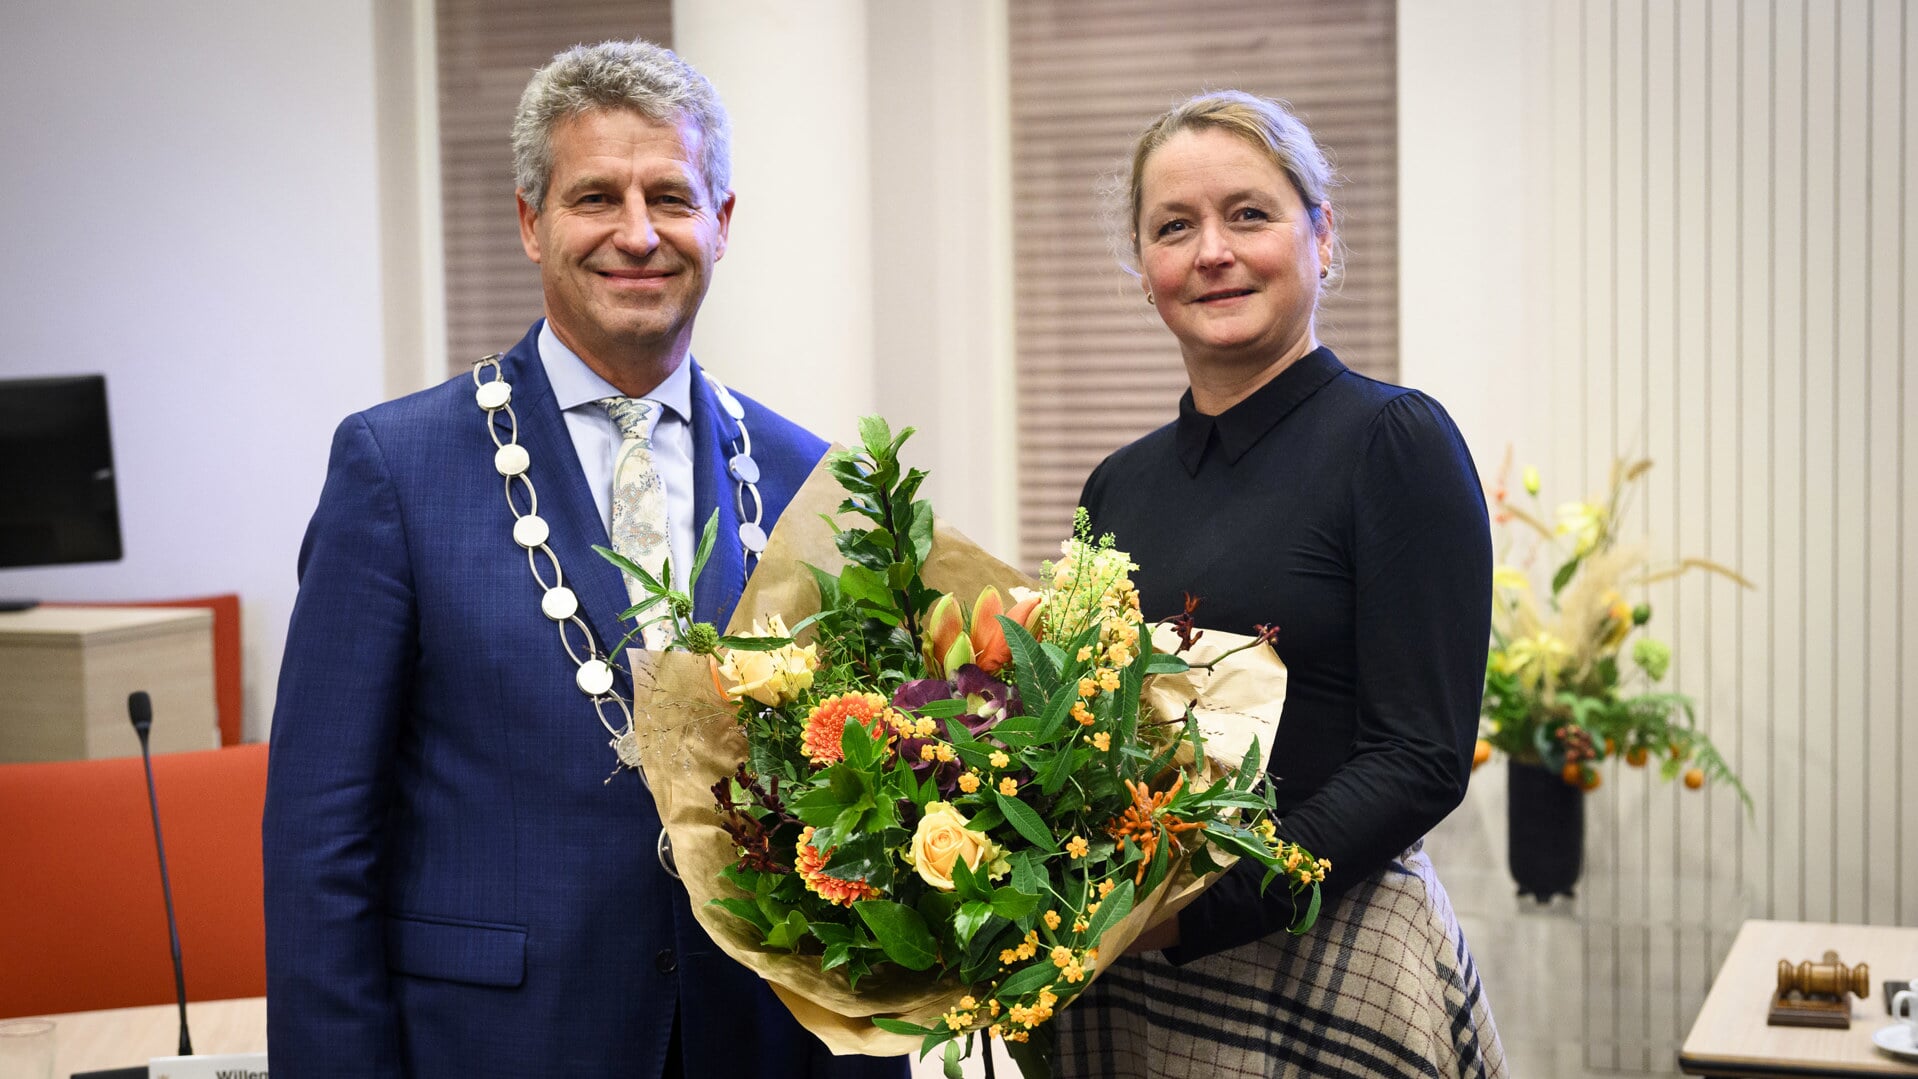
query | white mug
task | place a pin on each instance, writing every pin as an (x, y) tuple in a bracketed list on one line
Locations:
[(1904, 1008)]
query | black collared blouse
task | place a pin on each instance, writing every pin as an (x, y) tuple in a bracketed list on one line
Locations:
[(1347, 512)]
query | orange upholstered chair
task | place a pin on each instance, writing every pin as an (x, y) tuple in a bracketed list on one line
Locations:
[(82, 921), (229, 683)]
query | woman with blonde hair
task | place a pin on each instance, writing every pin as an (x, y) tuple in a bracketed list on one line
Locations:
[(1292, 491)]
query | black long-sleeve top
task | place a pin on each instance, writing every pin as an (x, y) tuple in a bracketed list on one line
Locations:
[(1347, 512)]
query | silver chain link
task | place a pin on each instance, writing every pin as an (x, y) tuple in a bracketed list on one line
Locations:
[(596, 672)]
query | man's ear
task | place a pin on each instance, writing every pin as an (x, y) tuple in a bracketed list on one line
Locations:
[(725, 218), (528, 234)]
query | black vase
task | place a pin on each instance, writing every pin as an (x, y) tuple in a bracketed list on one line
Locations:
[(1546, 819)]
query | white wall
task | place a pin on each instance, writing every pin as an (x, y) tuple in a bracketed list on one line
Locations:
[(193, 212)]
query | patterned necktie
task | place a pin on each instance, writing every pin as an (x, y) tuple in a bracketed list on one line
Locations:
[(639, 505)]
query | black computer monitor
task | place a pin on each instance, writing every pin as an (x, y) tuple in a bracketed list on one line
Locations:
[(57, 499)]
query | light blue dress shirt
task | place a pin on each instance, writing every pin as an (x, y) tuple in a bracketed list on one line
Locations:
[(596, 439)]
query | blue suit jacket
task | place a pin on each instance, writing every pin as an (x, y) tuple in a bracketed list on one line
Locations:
[(453, 887)]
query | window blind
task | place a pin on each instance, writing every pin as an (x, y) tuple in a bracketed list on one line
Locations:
[(1095, 366), (487, 51)]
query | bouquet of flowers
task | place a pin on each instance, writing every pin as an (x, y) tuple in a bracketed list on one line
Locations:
[(1556, 693), (932, 813)]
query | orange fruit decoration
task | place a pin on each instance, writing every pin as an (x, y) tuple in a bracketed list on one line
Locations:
[(1694, 778), (1481, 752), (1636, 756), (1592, 779), (1572, 774)]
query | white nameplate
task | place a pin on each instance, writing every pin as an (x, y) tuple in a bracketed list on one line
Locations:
[(222, 1066)]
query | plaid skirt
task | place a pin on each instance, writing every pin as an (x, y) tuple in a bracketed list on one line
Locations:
[(1381, 988)]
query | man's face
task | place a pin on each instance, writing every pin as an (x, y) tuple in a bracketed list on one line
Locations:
[(626, 240)]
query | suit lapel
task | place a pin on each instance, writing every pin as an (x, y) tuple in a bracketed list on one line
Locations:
[(713, 489), (566, 503)]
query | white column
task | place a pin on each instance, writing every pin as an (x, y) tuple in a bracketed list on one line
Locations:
[(1474, 286), (789, 317)]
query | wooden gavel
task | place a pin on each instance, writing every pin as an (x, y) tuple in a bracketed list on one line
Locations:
[(1830, 977)]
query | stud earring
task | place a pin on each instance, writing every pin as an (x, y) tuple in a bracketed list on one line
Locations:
[(1149, 299), (1322, 272)]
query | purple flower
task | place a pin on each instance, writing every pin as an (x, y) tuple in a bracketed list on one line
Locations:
[(988, 701)]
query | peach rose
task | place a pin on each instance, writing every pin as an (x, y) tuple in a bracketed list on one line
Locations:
[(942, 838)]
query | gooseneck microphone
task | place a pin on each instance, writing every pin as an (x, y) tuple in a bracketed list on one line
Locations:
[(140, 710)]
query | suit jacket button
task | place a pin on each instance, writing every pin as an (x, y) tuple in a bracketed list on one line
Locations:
[(666, 961)]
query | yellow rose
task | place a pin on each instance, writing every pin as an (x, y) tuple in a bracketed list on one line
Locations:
[(771, 678), (942, 838)]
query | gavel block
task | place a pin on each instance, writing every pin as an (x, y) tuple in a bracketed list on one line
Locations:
[(1817, 994)]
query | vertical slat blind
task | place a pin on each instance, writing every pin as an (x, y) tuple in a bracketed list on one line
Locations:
[(487, 51), (1096, 368), (1731, 290)]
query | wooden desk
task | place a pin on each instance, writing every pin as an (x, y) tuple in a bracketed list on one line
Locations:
[(65, 673), (1730, 1037), (123, 1037)]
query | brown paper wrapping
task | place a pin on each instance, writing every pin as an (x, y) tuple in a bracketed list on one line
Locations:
[(689, 740)]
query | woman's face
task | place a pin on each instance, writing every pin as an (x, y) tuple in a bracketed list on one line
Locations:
[(1230, 257)]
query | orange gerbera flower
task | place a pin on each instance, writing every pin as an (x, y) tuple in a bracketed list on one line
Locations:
[(810, 865), (827, 721)]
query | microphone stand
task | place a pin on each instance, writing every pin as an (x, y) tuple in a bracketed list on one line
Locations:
[(140, 711)]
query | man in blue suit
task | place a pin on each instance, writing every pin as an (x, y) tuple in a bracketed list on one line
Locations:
[(454, 886)]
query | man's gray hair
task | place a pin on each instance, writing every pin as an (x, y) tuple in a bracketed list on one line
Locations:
[(638, 75)]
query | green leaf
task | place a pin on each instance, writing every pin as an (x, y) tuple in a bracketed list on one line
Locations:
[(746, 909), (921, 531), (937, 907), (900, 1026), (1248, 772), (1027, 981), (1564, 576), (1305, 921), (787, 934), (754, 644), (1202, 863), (1058, 711), (1112, 908), (704, 550), (819, 806), (968, 884), (952, 1069), (1017, 732), (1028, 874), (858, 582), (631, 568), (866, 857), (1013, 904), (970, 917), (1027, 823), (1057, 770), (831, 932), (900, 931), (1036, 675), (875, 435), (945, 709), (1166, 663), (828, 588), (857, 745)]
